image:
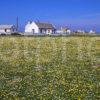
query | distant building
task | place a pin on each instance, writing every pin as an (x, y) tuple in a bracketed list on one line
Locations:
[(7, 29), (92, 32), (38, 27), (64, 31), (80, 31)]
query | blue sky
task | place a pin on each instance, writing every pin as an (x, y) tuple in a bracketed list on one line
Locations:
[(84, 14)]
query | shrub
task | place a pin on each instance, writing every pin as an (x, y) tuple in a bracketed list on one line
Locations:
[(15, 34), (2, 34)]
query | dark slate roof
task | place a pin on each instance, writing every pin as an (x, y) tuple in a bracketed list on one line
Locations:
[(6, 26), (44, 25)]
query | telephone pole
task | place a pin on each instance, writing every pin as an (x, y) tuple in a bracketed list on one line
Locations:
[(17, 23)]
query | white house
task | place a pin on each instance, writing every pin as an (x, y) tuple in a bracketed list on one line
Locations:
[(64, 31), (38, 27), (80, 31), (7, 29), (92, 32)]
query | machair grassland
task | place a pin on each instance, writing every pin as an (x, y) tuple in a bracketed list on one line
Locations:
[(50, 68)]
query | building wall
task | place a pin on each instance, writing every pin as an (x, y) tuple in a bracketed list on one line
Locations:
[(8, 31), (49, 31), (63, 32), (30, 27), (2, 31)]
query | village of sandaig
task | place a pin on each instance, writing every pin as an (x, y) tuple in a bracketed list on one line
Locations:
[(42, 28)]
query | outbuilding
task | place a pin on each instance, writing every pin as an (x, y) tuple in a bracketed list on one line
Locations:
[(7, 29)]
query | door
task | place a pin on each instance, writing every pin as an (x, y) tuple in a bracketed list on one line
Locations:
[(5, 30), (33, 31)]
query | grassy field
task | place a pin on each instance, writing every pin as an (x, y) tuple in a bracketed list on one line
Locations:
[(50, 68)]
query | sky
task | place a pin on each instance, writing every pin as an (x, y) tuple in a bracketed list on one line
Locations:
[(75, 14)]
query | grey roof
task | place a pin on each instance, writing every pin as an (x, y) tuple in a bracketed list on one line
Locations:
[(45, 25), (6, 26)]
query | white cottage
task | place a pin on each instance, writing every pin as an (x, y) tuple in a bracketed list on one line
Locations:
[(64, 30), (7, 29), (80, 31), (92, 32), (38, 27)]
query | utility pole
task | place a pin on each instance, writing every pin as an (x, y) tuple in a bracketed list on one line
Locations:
[(17, 23)]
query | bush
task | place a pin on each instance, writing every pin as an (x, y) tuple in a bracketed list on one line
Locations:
[(15, 34), (2, 34)]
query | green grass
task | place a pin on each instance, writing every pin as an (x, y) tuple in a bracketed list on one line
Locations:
[(50, 68)]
